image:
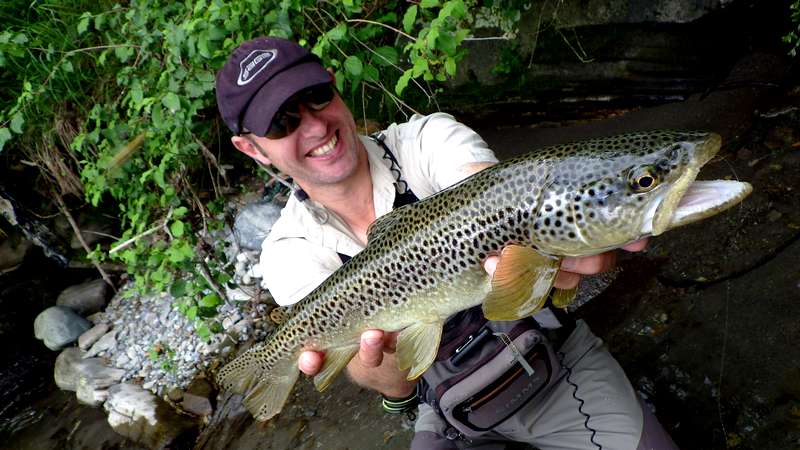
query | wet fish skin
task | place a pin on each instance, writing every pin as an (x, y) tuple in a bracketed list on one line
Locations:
[(423, 261)]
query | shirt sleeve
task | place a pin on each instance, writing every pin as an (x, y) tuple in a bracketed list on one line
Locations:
[(293, 267), (434, 149)]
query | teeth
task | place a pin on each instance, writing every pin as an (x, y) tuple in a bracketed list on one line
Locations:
[(325, 149)]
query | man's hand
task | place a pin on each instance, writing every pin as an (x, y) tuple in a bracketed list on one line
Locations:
[(573, 268), (374, 367)]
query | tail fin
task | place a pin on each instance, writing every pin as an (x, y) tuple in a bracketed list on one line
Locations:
[(265, 388)]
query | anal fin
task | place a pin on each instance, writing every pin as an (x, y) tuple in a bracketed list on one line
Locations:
[(417, 346), (336, 359), (520, 283)]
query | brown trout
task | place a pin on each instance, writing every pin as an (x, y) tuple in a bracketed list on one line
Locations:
[(423, 262)]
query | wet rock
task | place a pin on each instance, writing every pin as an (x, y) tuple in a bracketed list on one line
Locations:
[(106, 342), (141, 416), (12, 251), (254, 222), (66, 374), (71, 369), (88, 338), (197, 405), (175, 394), (86, 298), (89, 395), (59, 326)]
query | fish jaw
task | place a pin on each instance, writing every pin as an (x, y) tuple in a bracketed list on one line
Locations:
[(701, 200), (668, 203)]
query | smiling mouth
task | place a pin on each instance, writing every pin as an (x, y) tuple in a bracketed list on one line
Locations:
[(327, 148)]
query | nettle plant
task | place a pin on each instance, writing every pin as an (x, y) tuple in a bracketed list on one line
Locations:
[(121, 96)]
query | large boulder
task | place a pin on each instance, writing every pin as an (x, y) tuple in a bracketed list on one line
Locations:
[(59, 326), (141, 416), (85, 298), (254, 222)]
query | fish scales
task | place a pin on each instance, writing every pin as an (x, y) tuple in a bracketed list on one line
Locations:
[(423, 262)]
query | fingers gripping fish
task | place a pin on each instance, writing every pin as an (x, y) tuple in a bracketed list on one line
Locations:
[(423, 262)]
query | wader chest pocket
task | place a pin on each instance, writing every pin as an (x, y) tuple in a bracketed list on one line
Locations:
[(499, 388)]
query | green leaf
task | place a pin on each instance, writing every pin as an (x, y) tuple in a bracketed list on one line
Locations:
[(123, 53), (337, 32), (179, 212), (387, 56), (371, 73), (210, 301), (171, 101), (16, 123), (450, 66), (402, 82), (178, 288), (176, 228), (420, 67), (424, 4), (5, 136), (202, 45), (67, 66), (202, 330), (409, 18), (83, 24), (353, 66), (191, 313)]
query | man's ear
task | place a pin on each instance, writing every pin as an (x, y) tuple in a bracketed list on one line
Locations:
[(250, 148)]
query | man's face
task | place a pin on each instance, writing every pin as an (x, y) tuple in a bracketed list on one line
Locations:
[(323, 150)]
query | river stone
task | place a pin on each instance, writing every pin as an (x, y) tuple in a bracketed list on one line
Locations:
[(141, 416), (71, 369), (66, 368), (59, 326), (90, 337), (196, 404), (89, 395), (108, 341), (12, 250), (85, 298), (254, 222)]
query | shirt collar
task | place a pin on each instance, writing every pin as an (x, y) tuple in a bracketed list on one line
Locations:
[(325, 227)]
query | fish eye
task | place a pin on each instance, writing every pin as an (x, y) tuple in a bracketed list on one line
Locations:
[(643, 181)]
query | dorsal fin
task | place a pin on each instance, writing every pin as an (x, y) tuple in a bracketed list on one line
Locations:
[(385, 222)]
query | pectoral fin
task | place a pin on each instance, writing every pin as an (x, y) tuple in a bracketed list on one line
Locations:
[(417, 346), (335, 360), (564, 297), (520, 283)]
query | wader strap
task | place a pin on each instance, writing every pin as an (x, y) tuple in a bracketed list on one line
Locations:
[(403, 194)]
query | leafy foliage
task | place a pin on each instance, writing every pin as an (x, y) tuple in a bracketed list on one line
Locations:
[(121, 95), (793, 38)]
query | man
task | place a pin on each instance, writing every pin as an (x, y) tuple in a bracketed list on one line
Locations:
[(280, 104)]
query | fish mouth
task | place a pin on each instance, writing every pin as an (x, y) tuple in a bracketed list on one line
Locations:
[(700, 200), (689, 200)]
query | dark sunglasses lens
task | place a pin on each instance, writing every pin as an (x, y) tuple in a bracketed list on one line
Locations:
[(287, 119), (318, 97), (282, 125)]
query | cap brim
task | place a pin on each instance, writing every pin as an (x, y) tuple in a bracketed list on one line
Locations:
[(276, 91)]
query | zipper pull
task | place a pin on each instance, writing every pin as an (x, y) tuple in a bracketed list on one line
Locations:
[(515, 351)]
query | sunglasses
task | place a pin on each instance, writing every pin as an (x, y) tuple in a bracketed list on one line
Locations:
[(287, 119)]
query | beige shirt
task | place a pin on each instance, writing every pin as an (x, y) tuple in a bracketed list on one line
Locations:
[(302, 248)]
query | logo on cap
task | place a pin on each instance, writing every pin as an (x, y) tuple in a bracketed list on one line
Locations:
[(253, 64)]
